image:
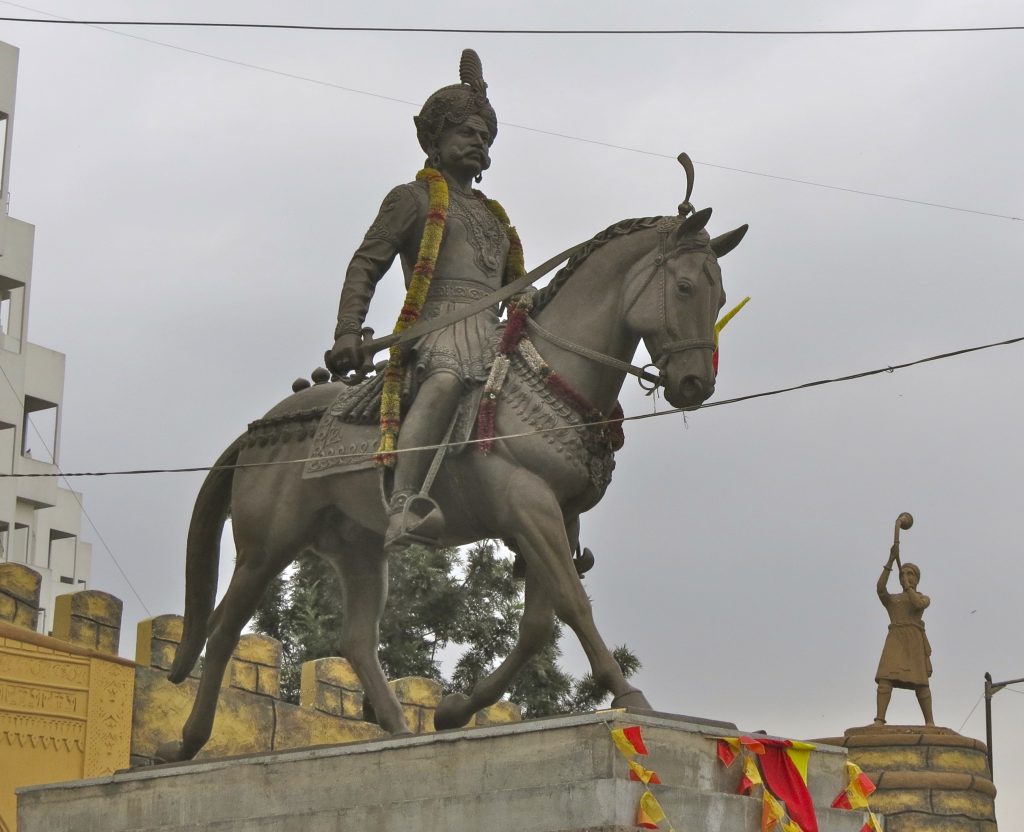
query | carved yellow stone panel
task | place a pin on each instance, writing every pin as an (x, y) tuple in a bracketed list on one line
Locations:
[(65, 713)]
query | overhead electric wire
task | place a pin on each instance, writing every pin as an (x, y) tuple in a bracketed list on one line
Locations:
[(962, 724), (538, 130), (449, 30), (74, 493), (736, 400)]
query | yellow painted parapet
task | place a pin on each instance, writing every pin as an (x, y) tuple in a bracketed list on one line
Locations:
[(19, 595), (89, 618), (64, 713), (419, 698), (331, 686), (70, 708), (256, 665)]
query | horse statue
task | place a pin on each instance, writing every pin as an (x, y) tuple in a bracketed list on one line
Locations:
[(549, 460)]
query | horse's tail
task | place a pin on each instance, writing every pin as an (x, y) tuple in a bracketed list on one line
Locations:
[(202, 559)]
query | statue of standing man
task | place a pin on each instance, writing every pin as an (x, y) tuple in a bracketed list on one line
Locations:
[(906, 657)]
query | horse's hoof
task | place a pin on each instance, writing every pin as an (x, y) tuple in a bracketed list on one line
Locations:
[(452, 712), (169, 752), (632, 699)]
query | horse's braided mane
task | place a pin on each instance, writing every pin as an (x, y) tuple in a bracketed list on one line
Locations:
[(619, 229)]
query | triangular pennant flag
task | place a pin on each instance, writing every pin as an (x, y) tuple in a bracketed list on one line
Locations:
[(649, 813), (865, 785), (791, 826), (842, 801), (727, 751), (787, 782), (771, 812), (629, 741), (636, 739), (641, 774), (644, 822), (872, 824), (859, 788), (800, 754), (751, 776), (754, 745)]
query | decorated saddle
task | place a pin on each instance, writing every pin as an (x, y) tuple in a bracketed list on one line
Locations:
[(347, 433)]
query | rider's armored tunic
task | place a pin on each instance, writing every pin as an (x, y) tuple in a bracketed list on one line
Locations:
[(470, 264)]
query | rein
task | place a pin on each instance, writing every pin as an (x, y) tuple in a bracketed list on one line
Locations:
[(598, 357)]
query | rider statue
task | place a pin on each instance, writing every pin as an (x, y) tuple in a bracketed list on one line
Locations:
[(906, 657), (455, 247)]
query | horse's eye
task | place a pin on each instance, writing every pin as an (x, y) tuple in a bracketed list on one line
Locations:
[(684, 287)]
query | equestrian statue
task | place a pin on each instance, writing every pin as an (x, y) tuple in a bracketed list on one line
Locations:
[(474, 429)]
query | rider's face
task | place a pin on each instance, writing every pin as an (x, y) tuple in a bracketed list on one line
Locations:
[(462, 149)]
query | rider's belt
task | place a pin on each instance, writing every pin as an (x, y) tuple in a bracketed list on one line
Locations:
[(458, 291)]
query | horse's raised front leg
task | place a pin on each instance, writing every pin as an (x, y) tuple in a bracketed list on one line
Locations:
[(539, 530), (535, 629), (248, 583), (364, 579)]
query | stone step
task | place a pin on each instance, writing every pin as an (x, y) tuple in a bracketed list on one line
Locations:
[(550, 775)]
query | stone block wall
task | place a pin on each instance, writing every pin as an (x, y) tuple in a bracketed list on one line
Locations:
[(19, 595), (90, 619), (250, 715)]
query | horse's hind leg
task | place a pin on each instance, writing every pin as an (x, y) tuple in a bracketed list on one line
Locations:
[(539, 530), (535, 629), (363, 569), (248, 583)]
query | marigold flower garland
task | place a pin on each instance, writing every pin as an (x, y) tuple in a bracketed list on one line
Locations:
[(416, 296)]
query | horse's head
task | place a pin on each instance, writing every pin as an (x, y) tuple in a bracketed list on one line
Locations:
[(673, 296)]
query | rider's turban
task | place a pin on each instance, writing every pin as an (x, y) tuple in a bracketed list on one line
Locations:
[(452, 105)]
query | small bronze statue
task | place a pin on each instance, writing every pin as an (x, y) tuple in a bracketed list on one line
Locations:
[(906, 656)]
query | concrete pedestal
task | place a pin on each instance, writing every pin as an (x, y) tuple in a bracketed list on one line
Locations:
[(929, 779), (555, 775)]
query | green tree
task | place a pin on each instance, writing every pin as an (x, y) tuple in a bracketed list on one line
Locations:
[(437, 598)]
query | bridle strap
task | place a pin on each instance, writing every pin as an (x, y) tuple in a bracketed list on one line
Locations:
[(593, 355), (688, 344)]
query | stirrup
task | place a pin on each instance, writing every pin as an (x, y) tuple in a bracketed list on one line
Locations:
[(414, 518)]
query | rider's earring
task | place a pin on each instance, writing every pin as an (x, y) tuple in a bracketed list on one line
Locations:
[(478, 178)]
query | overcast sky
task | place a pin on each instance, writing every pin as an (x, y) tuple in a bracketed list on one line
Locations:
[(195, 216)]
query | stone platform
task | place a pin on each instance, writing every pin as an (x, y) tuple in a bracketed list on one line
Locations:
[(556, 775), (929, 779)]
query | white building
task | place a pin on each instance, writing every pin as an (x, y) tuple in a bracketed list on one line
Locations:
[(39, 520)]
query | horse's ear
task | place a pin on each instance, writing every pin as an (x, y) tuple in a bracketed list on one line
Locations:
[(691, 225), (725, 243)]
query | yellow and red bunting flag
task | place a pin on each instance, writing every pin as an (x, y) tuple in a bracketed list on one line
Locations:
[(784, 768), (871, 824), (629, 741), (728, 748), (752, 745), (791, 826), (857, 791), (649, 813), (642, 775), (772, 812), (751, 776)]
